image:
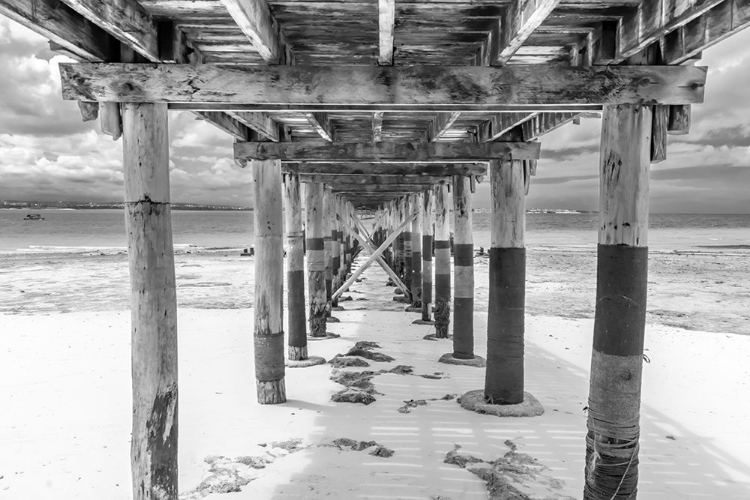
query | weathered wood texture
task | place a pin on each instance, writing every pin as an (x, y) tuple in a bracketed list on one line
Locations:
[(315, 234), (295, 262), (463, 271), (625, 158), (386, 151), (153, 302), (255, 20), (382, 180), (521, 18), (385, 169), (424, 87), (504, 378), (442, 262), (427, 243), (269, 283), (386, 21), (620, 317)]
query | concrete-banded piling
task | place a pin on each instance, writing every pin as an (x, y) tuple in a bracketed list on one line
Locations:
[(416, 253), (427, 256), (463, 271), (316, 266), (442, 309), (295, 274)]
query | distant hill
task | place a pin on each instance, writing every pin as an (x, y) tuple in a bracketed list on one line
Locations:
[(38, 205)]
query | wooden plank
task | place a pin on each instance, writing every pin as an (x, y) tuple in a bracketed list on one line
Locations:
[(440, 125), (419, 86), (659, 133), (715, 25), (377, 127), (521, 18), (257, 22), (652, 20), (373, 179), (226, 123), (321, 124), (544, 123), (434, 152), (386, 18), (62, 25), (679, 120), (260, 122), (499, 124), (378, 188), (126, 20), (385, 169)]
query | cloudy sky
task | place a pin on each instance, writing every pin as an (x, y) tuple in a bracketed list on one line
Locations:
[(47, 153)]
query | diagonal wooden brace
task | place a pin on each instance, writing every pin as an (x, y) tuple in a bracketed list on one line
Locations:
[(374, 256), (365, 242)]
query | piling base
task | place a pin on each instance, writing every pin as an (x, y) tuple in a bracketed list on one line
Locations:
[(414, 309), (422, 322), (304, 363), (271, 392), (476, 361), (474, 401), (326, 337)]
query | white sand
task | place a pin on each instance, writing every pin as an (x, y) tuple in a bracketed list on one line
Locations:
[(65, 408)]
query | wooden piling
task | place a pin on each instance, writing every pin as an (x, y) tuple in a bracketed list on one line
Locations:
[(427, 256), (442, 263), (328, 246), (316, 266), (295, 260), (620, 318), (416, 252), (406, 242), (153, 449), (504, 378), (335, 245), (269, 283), (463, 271)]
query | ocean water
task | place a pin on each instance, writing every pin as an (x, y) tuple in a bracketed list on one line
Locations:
[(104, 230)]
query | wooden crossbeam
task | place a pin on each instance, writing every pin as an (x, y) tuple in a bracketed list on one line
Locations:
[(378, 188), (521, 18), (544, 123), (652, 20), (334, 179), (257, 22), (386, 22), (416, 86), (434, 152), (439, 125), (357, 231), (713, 26), (226, 123), (501, 123), (62, 25), (321, 124), (373, 257), (260, 122), (126, 20), (385, 169)]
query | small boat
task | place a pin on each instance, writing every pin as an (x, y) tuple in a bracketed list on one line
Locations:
[(34, 217)]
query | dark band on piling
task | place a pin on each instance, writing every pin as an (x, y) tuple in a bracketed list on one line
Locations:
[(463, 327), (315, 244), (621, 289), (296, 305), (463, 254), (442, 244), (504, 378), (269, 357)]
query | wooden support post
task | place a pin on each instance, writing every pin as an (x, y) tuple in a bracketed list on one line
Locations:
[(295, 274), (620, 318), (316, 265), (148, 223), (406, 242), (505, 319), (442, 263), (416, 253), (427, 256), (269, 283), (463, 271), (328, 245), (335, 246)]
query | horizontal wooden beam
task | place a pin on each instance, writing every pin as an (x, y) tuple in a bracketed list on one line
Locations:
[(433, 152), (544, 123), (417, 86), (126, 20), (255, 19), (226, 123), (522, 17), (385, 169), (439, 125), (260, 122), (378, 188), (501, 123), (381, 180)]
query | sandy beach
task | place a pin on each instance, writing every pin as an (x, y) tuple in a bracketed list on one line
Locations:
[(66, 429)]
